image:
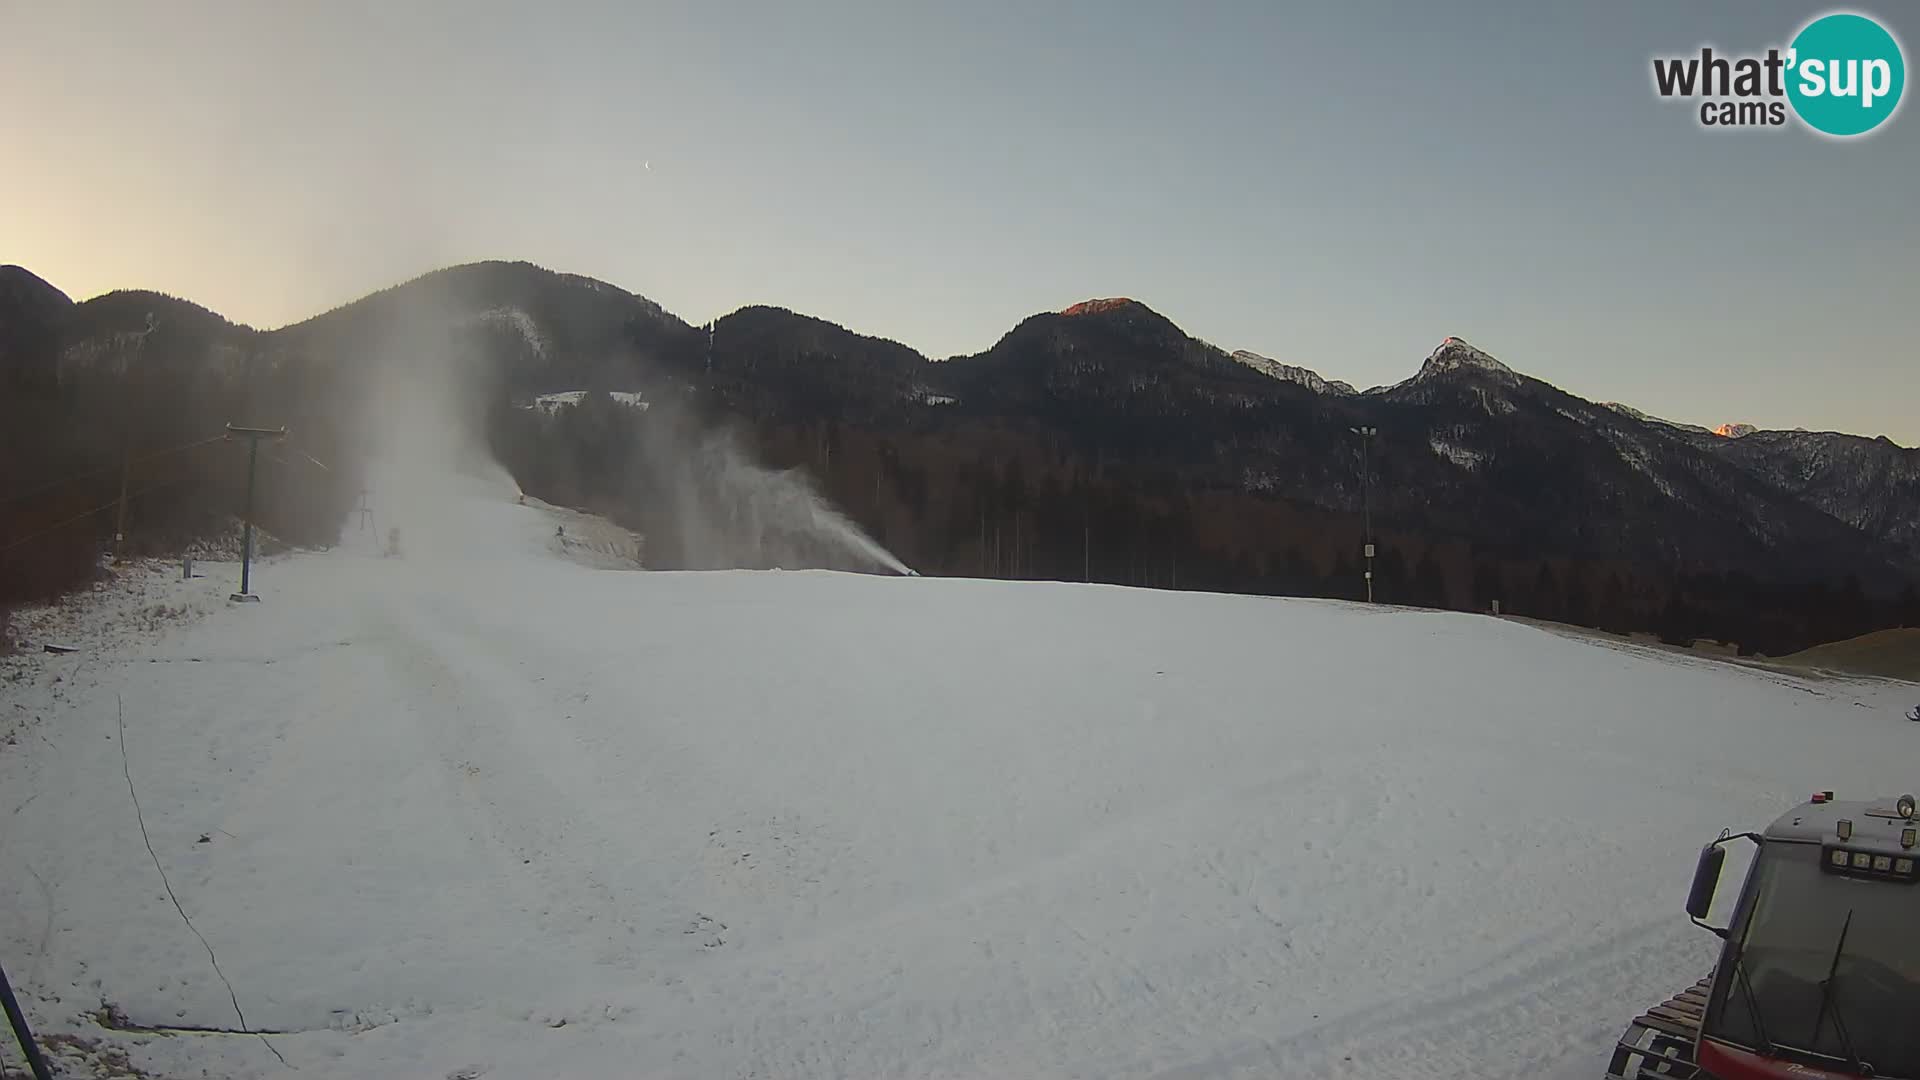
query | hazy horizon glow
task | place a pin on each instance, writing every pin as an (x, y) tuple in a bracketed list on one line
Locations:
[(1337, 189)]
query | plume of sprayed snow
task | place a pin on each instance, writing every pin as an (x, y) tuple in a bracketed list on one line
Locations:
[(431, 377), (426, 393), (727, 511)]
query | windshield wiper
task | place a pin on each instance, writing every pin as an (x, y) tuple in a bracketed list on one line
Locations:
[(1753, 1003), (1830, 1002), (1746, 984)]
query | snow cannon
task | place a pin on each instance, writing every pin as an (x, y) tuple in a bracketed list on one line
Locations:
[(1819, 968)]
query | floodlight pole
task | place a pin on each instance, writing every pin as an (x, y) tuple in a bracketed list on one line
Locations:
[(253, 437), (1366, 498)]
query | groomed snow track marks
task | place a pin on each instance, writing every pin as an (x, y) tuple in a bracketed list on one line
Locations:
[(1488, 1026), (512, 766)]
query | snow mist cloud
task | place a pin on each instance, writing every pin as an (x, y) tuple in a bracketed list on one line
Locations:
[(725, 510), (423, 414), (436, 366)]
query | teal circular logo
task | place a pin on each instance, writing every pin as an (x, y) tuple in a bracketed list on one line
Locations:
[(1845, 73)]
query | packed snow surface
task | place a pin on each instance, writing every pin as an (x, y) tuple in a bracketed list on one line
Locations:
[(480, 810)]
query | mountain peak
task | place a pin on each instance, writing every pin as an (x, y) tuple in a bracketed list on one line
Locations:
[(1455, 354), (21, 285), (1096, 307), (1734, 431)]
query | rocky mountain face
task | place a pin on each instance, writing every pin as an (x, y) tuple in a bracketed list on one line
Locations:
[(1870, 484), (1100, 441)]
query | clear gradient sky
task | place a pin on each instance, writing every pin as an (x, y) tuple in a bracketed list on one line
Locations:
[(1335, 185)]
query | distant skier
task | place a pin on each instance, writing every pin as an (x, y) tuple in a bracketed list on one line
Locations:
[(1915, 714)]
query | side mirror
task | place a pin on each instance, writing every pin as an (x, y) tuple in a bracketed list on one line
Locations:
[(1706, 878)]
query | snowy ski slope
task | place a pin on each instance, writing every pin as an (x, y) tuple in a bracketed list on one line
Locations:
[(480, 810)]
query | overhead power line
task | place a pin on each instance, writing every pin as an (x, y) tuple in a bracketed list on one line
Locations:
[(20, 496), (102, 508)]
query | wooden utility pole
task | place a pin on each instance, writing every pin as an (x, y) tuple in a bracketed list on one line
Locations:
[(1016, 545), (253, 437), (120, 518), (126, 436)]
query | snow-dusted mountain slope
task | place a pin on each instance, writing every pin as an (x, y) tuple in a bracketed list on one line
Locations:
[(1306, 377), (480, 810), (1649, 418), (1871, 484)]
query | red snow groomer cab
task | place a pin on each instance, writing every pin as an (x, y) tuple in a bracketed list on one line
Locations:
[(1819, 973)]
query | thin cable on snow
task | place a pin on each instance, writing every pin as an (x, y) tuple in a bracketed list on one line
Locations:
[(120, 710)]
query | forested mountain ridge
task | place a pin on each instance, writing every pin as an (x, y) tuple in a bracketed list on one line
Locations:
[(1099, 442)]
